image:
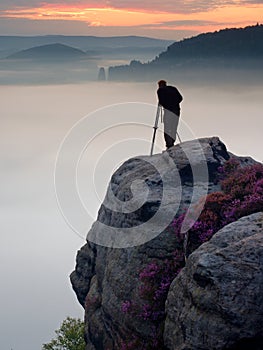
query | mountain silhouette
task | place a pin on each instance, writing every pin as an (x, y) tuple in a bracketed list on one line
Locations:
[(49, 52), (228, 48), (235, 42)]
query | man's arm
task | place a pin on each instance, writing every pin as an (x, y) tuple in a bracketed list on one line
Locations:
[(177, 95)]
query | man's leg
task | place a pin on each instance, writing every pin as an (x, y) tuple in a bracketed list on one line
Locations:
[(170, 127), (169, 141)]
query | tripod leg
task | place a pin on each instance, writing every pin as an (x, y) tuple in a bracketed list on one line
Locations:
[(155, 127), (179, 137)]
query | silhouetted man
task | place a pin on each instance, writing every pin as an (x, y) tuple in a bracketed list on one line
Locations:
[(170, 98)]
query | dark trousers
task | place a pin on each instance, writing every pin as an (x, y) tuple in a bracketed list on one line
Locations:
[(170, 120), (169, 141)]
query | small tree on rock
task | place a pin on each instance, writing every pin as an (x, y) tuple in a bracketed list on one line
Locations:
[(70, 336)]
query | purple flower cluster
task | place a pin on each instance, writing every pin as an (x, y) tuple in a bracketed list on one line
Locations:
[(241, 195), (149, 271), (126, 306)]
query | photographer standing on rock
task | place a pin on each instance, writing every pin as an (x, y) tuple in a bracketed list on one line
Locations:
[(169, 98)]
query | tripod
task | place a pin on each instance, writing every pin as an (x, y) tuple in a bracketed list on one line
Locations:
[(158, 113)]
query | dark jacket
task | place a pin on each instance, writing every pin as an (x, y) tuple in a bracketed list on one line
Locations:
[(170, 98)]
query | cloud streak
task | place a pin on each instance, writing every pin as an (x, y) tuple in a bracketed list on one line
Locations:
[(190, 24), (22, 26), (170, 6), (152, 18), (183, 23)]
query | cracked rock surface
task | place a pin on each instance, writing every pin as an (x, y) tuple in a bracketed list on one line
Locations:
[(217, 300)]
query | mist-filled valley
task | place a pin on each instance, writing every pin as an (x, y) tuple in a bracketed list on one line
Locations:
[(38, 247), (28, 72), (58, 59), (229, 56)]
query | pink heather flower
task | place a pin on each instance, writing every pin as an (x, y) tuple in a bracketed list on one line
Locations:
[(259, 187), (150, 271), (206, 235), (126, 306), (146, 312)]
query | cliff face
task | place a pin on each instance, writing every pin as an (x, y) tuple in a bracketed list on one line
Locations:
[(130, 247)]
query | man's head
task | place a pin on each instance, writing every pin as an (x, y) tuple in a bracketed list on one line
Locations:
[(162, 83)]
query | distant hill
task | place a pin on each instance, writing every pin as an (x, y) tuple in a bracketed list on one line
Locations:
[(13, 44), (243, 42), (49, 52), (228, 48)]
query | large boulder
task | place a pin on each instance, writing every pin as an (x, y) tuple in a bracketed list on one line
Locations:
[(126, 239), (217, 301)]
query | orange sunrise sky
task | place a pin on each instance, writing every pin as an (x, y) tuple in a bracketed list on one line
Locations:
[(161, 19)]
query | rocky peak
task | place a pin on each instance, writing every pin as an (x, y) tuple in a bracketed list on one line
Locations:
[(130, 238)]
